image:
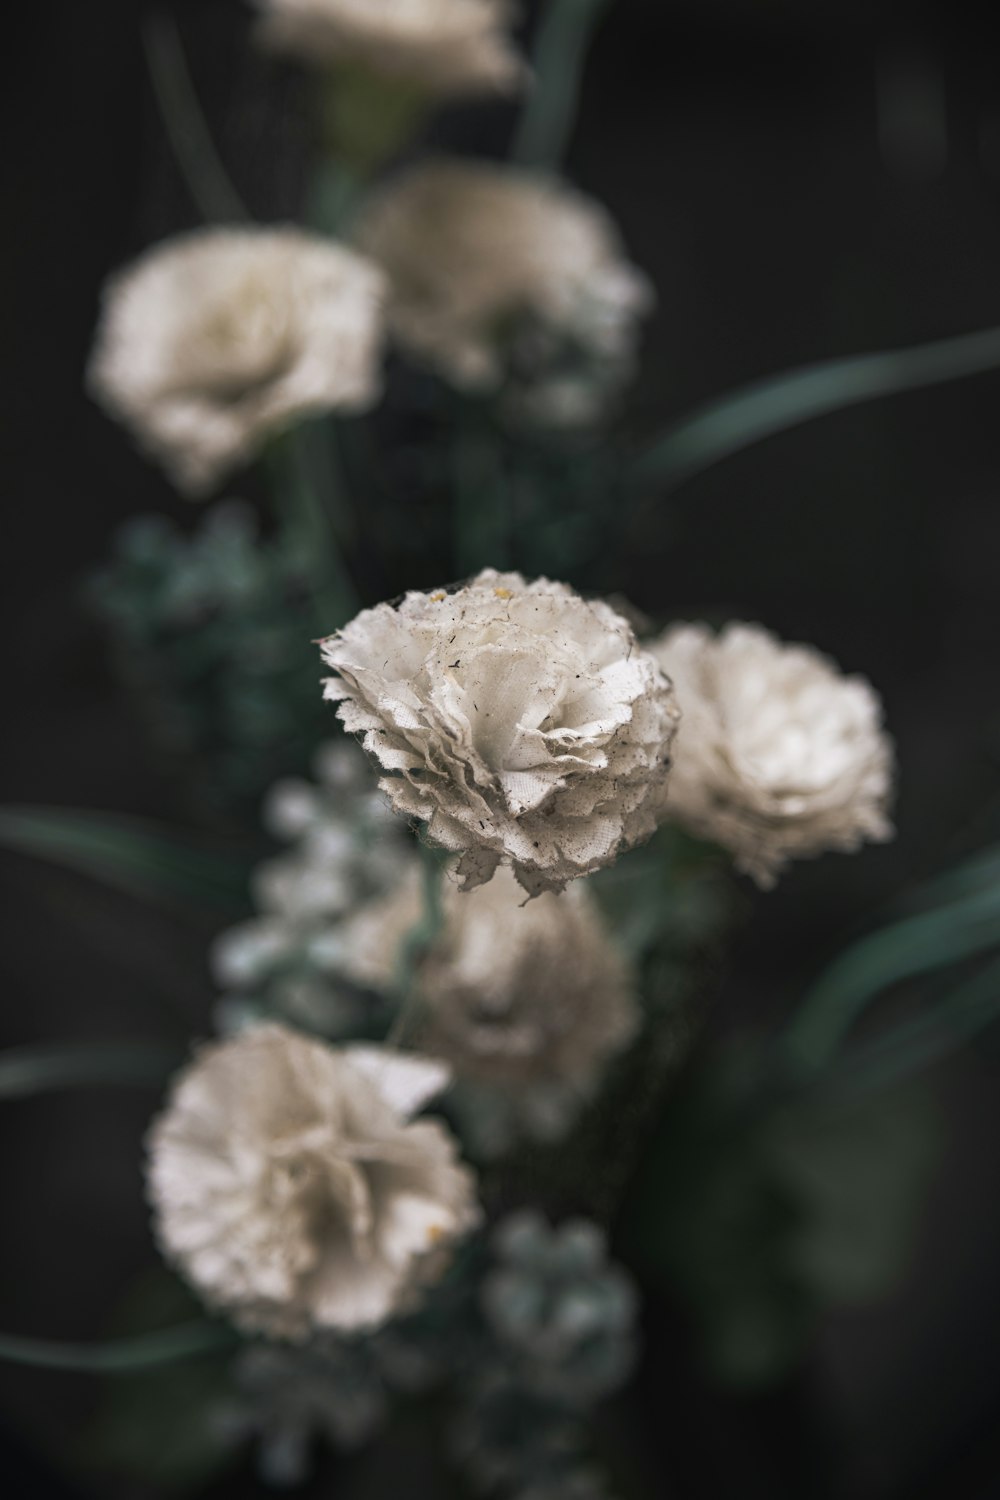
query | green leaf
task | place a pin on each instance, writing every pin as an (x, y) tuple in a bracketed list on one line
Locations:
[(732, 423), (185, 124), (128, 853), (25, 1071), (119, 1356), (563, 38), (930, 940)]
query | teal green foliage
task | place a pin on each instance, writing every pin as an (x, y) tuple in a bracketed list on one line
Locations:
[(212, 635), (157, 1426), (756, 1219), (129, 854)]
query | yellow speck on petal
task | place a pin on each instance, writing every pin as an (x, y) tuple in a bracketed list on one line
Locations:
[(503, 593), (435, 1232), (439, 596)]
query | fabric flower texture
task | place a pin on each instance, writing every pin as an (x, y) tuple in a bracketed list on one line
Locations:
[(215, 340), (496, 274), (448, 48), (521, 723), (526, 1003), (292, 1188), (779, 755)]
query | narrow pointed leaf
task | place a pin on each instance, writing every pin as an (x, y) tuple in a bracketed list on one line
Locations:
[(129, 853)]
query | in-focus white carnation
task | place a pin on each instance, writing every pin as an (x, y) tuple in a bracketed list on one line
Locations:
[(497, 273), (526, 1003), (213, 341), (520, 722), (292, 1188), (449, 48), (779, 755)]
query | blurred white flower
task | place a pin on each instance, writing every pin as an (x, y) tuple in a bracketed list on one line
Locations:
[(526, 1004), (214, 340), (291, 1187), (449, 48), (779, 755), (519, 721), (496, 273)]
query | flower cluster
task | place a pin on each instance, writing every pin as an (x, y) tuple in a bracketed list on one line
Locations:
[(779, 756), (561, 1318), (521, 723), (293, 1188), (497, 275), (447, 48), (299, 959), (206, 629), (222, 337)]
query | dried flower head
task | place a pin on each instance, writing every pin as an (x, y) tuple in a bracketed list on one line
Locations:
[(496, 273), (527, 1004), (292, 1188), (214, 340), (779, 755), (520, 722), (449, 48)]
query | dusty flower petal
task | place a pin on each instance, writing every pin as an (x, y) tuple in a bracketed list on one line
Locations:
[(492, 269), (213, 340), (292, 1189), (448, 48), (779, 755), (520, 722)]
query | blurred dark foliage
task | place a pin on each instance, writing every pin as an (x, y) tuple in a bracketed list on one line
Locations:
[(801, 178)]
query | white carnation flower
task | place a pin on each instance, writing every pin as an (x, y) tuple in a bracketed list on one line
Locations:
[(520, 722), (213, 341), (449, 48), (527, 1004), (778, 755), (497, 273), (292, 1188)]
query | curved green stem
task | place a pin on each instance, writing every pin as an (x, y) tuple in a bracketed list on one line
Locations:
[(119, 1356), (550, 109), (309, 495), (727, 426), (418, 942), (199, 161)]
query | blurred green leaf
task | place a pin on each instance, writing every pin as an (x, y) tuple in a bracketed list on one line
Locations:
[(119, 1356), (930, 940), (128, 853), (732, 423), (162, 1429), (25, 1071), (560, 52)]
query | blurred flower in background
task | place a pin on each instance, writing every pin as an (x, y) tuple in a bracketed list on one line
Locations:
[(503, 279), (779, 754), (216, 340)]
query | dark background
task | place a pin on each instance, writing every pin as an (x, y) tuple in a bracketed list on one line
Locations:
[(801, 179)]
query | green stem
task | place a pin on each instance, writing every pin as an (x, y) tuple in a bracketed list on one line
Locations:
[(480, 518), (199, 162), (119, 1356), (417, 943), (727, 426), (308, 495), (550, 109)]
